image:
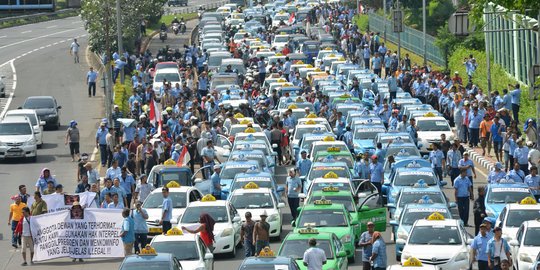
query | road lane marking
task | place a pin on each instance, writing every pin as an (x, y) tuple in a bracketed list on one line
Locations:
[(52, 26), (13, 86), (31, 39), (24, 32), (3, 36)]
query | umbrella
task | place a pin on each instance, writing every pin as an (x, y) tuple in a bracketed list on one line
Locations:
[(127, 122)]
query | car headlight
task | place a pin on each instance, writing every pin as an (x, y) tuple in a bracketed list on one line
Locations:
[(272, 218), (3, 144), (524, 257), (402, 235), (462, 256), (227, 232), (29, 142), (346, 238)]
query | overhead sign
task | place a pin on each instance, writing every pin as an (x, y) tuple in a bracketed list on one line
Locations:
[(397, 21)]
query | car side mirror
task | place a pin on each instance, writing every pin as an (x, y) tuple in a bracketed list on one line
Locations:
[(302, 196), (198, 180), (280, 205), (354, 222), (280, 189), (401, 241), (393, 223), (443, 183), (42, 123), (452, 205), (342, 254), (470, 241), (364, 208), (391, 205), (426, 157), (514, 243), (293, 223), (227, 147), (236, 219), (59, 107), (19, 108), (208, 256)]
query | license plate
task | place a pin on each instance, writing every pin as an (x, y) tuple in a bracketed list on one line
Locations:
[(14, 152), (155, 230)]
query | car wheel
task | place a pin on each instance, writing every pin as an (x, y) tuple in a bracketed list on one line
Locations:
[(232, 254)]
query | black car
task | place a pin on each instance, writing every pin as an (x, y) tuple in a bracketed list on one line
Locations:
[(47, 109)]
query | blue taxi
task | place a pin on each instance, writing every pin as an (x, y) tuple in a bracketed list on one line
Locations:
[(150, 259), (417, 192), (231, 168), (407, 176), (307, 141), (402, 224), (321, 169), (262, 179), (256, 155), (363, 138), (506, 191), (269, 263)]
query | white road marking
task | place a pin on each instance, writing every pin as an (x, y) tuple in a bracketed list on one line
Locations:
[(24, 32), (10, 98), (3, 36), (52, 26), (31, 39)]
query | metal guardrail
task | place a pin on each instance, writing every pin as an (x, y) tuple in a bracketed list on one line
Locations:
[(35, 15), (193, 9)]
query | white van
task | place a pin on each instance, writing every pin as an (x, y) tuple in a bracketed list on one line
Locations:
[(34, 120), (17, 139)]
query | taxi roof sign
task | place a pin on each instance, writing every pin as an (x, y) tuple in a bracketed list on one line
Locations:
[(299, 99), (429, 114), (174, 231), (310, 122), (329, 139), (528, 200), (413, 164), (173, 184), (330, 175), (330, 189), (148, 251), (299, 62), (293, 106), (267, 252), (308, 230), (435, 216), (420, 184), (281, 80), (333, 149), (169, 162), (251, 185), (309, 66), (208, 198), (345, 96), (245, 122), (414, 262), (239, 115), (322, 202), (311, 115), (249, 130)]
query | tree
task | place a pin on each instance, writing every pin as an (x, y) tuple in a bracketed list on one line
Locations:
[(477, 7)]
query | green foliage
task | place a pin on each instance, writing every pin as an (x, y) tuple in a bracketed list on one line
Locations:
[(448, 43), (122, 93), (362, 21), (477, 7), (437, 12), (499, 78), (167, 19)]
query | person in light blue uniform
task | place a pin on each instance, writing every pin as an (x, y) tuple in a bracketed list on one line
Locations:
[(438, 163), (304, 164), (521, 155), (463, 192), (292, 189), (361, 167), (533, 181), (215, 189), (376, 173), (497, 174), (378, 252), (516, 174), (515, 99), (479, 247), (101, 141)]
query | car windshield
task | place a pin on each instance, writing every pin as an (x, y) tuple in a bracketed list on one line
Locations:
[(407, 198), (155, 200), (322, 218), (170, 77), (433, 125), (532, 237), (281, 39), (435, 235), (517, 217), (295, 248), (38, 103), (319, 172), (346, 201), (32, 117), (305, 130), (265, 266), (241, 183), (167, 65), (182, 250), (252, 201), (192, 214), (409, 178), (413, 215), (403, 151), (347, 159), (507, 196), (146, 265), (366, 135), (15, 129), (339, 186), (231, 172), (215, 61)]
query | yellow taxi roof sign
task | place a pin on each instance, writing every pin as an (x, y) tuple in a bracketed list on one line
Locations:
[(173, 184), (435, 216), (322, 202), (293, 106), (333, 149), (267, 252), (330, 175), (341, 58), (329, 139), (311, 115), (528, 200), (299, 62), (174, 231), (327, 49), (281, 80), (279, 54), (345, 96), (169, 162), (414, 262), (251, 185), (239, 115), (317, 70), (299, 99), (331, 55), (245, 122), (287, 84), (249, 130), (148, 251), (208, 198), (309, 66), (429, 114), (308, 230), (310, 122), (330, 189)]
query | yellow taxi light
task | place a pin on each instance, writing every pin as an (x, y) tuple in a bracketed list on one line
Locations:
[(330, 175), (299, 99), (310, 122), (299, 62), (329, 139), (412, 262), (245, 122), (208, 198), (169, 162), (148, 251), (267, 252), (293, 106), (250, 130), (528, 200), (281, 80), (308, 230), (174, 231), (239, 115), (309, 66), (251, 185), (435, 216), (330, 189), (429, 114), (311, 115), (322, 202), (173, 184), (333, 149), (279, 54)]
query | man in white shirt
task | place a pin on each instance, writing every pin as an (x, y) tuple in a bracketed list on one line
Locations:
[(74, 50), (27, 240), (314, 257)]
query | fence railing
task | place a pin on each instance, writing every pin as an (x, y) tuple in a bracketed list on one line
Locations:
[(411, 39), (35, 15), (177, 10)]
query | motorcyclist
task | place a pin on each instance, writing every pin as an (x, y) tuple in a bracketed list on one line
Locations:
[(175, 20), (163, 27)]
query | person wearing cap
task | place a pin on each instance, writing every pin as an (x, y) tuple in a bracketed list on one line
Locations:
[(497, 250), (15, 215), (463, 192), (215, 189), (521, 155), (261, 233), (314, 258), (479, 248), (304, 164), (140, 215), (293, 186), (479, 208), (467, 164), (533, 181), (378, 252), (73, 137), (376, 173), (438, 162), (176, 153), (44, 178), (496, 174), (366, 244), (366, 55)]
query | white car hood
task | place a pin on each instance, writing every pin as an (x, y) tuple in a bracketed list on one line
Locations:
[(155, 214), (15, 138), (531, 251), (434, 135), (191, 264), (429, 252)]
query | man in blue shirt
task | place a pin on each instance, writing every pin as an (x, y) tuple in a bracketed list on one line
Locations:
[(292, 189), (91, 78), (348, 139), (361, 167), (412, 129), (516, 174), (453, 157), (496, 175), (101, 142), (304, 164), (479, 248), (166, 211), (533, 181), (438, 163), (202, 85), (515, 98), (127, 182), (128, 232), (366, 55), (463, 192), (496, 137), (466, 164), (215, 189), (378, 252), (366, 245), (497, 249), (392, 86), (376, 173), (140, 215), (521, 154), (376, 64), (475, 119)]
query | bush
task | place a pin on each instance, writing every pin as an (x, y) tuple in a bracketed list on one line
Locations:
[(362, 21), (499, 78), (122, 93)]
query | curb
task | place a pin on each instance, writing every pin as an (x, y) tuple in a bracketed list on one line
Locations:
[(147, 40), (480, 159)]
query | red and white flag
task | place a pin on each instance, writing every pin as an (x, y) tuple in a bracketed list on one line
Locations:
[(184, 157), (155, 113), (292, 18)]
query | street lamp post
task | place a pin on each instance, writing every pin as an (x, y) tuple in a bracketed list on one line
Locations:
[(384, 29), (424, 30)]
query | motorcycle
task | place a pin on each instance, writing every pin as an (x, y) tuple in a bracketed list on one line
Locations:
[(183, 27), (163, 35), (175, 28)]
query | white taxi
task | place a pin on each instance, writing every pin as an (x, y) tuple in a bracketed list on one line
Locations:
[(188, 248), (252, 198), (413, 264), (526, 246), (180, 196), (280, 41), (430, 128), (514, 214), (438, 241), (308, 127), (281, 16), (227, 227)]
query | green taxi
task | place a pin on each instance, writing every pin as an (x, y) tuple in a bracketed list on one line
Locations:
[(328, 217), (296, 243)]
